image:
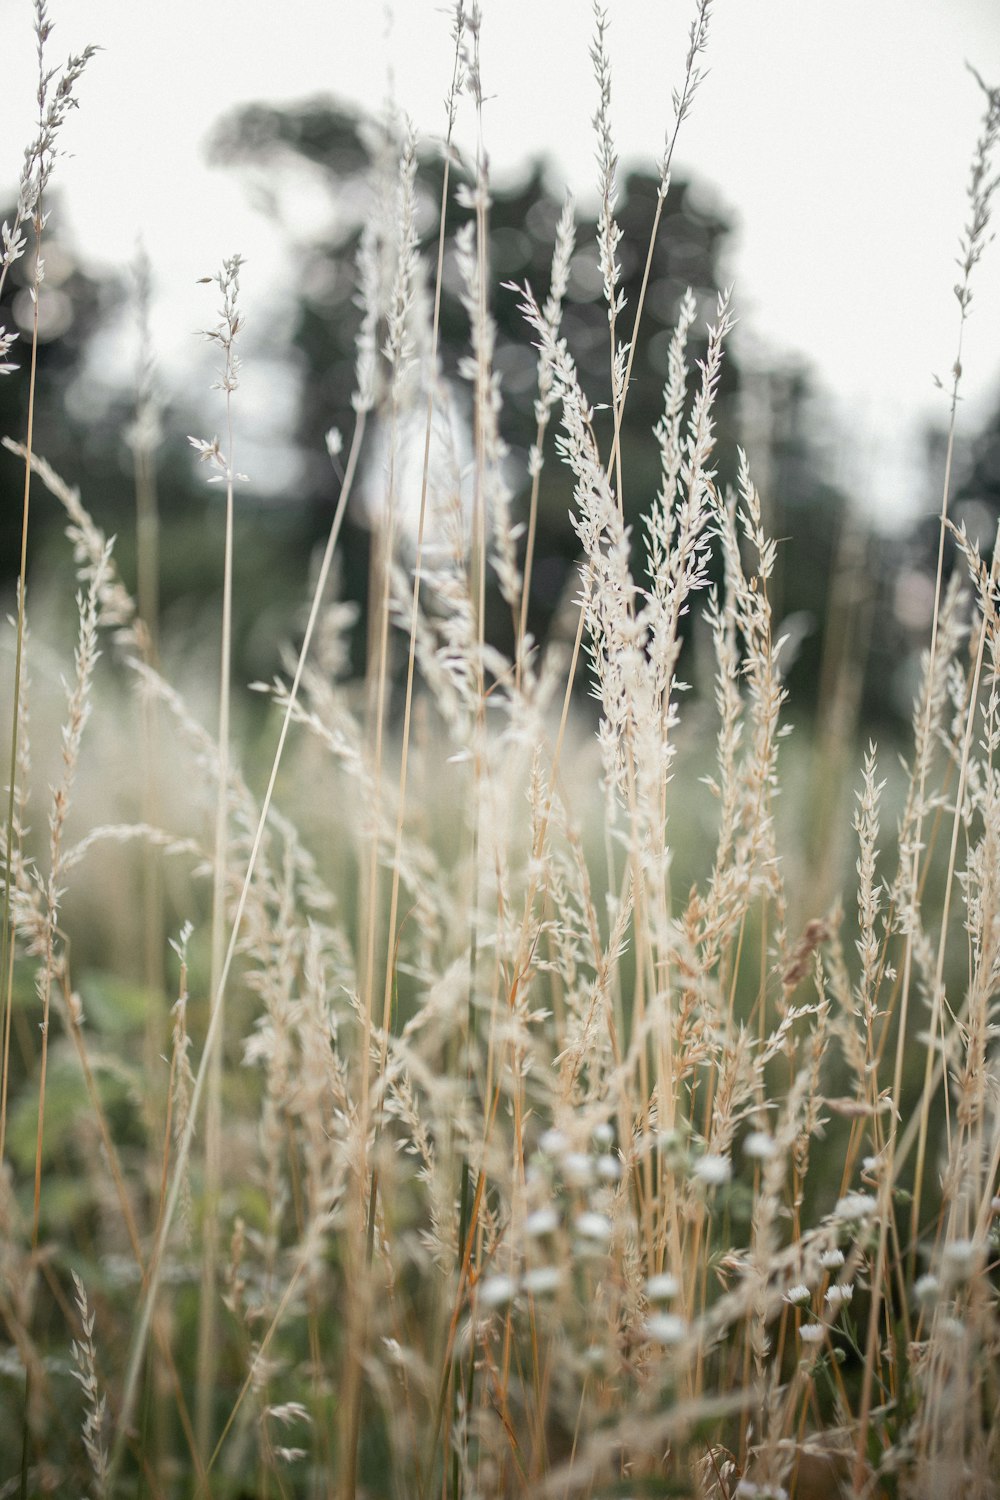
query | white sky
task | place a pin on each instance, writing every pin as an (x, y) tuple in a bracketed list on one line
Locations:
[(838, 132)]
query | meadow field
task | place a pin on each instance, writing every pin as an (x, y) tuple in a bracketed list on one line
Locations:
[(465, 1085)]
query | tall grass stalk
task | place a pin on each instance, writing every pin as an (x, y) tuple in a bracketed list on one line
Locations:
[(983, 185), (353, 1403), (178, 1180), (144, 438), (224, 334), (55, 96)]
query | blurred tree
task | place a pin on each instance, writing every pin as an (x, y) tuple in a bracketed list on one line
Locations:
[(308, 165), (84, 412), (70, 310), (977, 492), (907, 594), (313, 154), (822, 553)]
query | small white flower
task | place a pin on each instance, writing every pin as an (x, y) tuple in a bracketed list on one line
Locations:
[(927, 1287), (542, 1280), (609, 1168), (666, 1328), (661, 1288), (798, 1295), (593, 1226), (495, 1291), (713, 1170), (671, 1141), (839, 1293), (334, 442), (832, 1260), (855, 1206), (960, 1259), (604, 1134), (759, 1145), (578, 1169), (812, 1333), (553, 1142), (542, 1221)]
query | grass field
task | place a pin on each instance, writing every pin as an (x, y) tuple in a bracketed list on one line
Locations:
[(450, 1098)]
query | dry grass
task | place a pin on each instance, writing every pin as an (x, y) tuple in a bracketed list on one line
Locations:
[(473, 1154)]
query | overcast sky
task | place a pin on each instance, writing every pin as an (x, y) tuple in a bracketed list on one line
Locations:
[(837, 132)]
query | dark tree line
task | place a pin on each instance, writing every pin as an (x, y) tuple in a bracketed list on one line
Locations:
[(315, 152)]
